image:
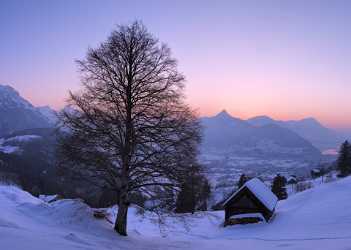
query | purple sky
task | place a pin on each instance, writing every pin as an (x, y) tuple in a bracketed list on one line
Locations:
[(285, 59)]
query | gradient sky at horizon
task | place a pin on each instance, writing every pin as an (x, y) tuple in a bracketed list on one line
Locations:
[(285, 59)]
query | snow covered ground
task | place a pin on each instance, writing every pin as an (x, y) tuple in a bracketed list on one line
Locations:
[(319, 218)]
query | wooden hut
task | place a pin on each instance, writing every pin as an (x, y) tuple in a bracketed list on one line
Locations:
[(252, 203)]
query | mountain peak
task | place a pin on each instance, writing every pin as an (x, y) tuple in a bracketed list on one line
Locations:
[(224, 114), (17, 113), (10, 98)]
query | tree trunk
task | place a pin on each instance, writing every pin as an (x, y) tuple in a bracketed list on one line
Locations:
[(121, 220)]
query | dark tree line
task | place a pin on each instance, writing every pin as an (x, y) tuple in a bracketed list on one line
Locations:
[(194, 193), (128, 128), (344, 160)]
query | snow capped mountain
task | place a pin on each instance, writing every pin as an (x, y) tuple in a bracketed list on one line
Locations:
[(10, 98), (309, 128), (16, 113)]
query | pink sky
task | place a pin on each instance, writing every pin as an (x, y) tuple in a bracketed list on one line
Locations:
[(287, 60)]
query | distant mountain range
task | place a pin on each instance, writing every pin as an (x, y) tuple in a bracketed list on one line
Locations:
[(16, 113), (255, 138), (309, 128), (261, 134)]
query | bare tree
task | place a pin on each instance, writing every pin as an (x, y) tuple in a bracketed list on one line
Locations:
[(129, 126)]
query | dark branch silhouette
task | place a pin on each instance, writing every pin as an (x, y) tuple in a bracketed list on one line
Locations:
[(129, 128)]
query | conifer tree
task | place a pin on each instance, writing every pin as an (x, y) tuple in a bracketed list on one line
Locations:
[(194, 192), (278, 187), (344, 160)]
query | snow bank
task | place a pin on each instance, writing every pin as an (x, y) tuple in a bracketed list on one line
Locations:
[(49, 198), (9, 149), (28, 223), (23, 138)]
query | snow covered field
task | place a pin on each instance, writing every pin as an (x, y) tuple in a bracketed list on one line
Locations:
[(318, 218)]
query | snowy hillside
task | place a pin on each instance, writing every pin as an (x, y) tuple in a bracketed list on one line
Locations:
[(318, 218)]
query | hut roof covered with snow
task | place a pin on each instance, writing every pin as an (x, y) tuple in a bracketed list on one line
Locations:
[(253, 197)]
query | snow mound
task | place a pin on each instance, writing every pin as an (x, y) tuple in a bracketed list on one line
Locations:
[(9, 149), (23, 138), (29, 223)]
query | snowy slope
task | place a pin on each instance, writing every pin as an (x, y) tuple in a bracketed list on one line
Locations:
[(319, 218), (27, 223)]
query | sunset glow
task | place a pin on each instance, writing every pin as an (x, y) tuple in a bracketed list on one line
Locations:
[(284, 60)]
